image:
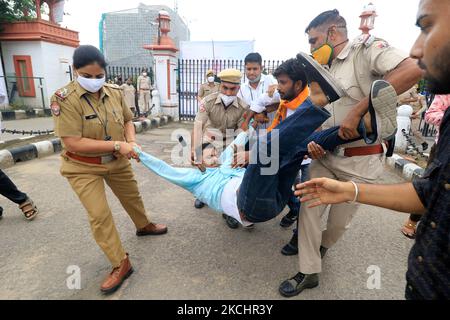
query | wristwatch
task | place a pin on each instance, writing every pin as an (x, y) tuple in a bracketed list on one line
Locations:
[(117, 146)]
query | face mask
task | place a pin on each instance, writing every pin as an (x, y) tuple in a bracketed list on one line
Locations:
[(144, 74), (211, 79), (227, 100), (255, 80), (91, 85), (323, 54)]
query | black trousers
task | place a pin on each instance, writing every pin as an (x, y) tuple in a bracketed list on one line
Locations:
[(9, 190)]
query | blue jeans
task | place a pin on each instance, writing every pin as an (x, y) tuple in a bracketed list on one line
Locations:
[(262, 197), (302, 176)]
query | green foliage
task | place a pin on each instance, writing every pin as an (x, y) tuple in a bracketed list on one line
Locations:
[(13, 10)]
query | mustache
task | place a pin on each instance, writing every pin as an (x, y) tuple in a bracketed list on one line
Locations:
[(422, 65)]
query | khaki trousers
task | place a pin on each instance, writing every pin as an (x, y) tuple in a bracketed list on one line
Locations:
[(144, 101), (366, 169), (88, 183)]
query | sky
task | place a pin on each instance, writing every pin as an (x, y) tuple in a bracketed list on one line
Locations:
[(276, 26)]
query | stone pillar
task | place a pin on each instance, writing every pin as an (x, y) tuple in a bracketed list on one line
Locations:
[(165, 59), (403, 123)]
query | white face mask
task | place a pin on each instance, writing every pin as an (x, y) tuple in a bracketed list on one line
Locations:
[(211, 79), (256, 80), (144, 74), (91, 85), (227, 100)]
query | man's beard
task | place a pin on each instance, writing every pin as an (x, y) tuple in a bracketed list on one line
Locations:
[(439, 83), (289, 95)]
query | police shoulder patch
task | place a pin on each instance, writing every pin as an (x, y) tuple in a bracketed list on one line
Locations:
[(56, 109), (201, 107), (382, 44), (62, 93)]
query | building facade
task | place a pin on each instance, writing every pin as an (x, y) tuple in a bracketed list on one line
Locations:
[(37, 58), (123, 34)]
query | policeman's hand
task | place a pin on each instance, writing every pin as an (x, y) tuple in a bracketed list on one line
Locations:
[(241, 158), (414, 115), (348, 131), (272, 89), (194, 162), (261, 118), (316, 151), (125, 149), (134, 155)]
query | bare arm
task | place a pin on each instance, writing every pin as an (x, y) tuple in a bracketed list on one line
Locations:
[(402, 78), (399, 197), (130, 132), (272, 108), (86, 145)]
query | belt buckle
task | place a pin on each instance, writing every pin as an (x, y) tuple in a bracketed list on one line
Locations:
[(108, 159), (339, 151)]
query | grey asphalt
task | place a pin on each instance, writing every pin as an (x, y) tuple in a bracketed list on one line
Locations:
[(200, 257)]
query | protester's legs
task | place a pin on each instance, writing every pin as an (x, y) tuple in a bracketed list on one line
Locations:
[(273, 188), (122, 182), (9, 190)]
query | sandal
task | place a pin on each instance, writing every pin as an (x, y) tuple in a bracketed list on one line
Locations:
[(409, 229), (29, 209)]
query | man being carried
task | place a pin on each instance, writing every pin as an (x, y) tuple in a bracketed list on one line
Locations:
[(226, 189)]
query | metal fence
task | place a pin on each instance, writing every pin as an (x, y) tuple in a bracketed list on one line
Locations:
[(191, 74), (25, 93), (120, 74)]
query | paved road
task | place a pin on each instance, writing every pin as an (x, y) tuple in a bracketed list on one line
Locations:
[(26, 124), (200, 257)]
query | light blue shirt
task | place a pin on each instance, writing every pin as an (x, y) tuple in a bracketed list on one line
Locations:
[(208, 186)]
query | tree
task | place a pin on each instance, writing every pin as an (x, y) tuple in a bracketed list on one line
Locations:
[(16, 10)]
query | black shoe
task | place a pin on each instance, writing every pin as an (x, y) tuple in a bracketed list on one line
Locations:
[(291, 249), (316, 73), (424, 146), (323, 251), (298, 283), (231, 222), (288, 220), (198, 204)]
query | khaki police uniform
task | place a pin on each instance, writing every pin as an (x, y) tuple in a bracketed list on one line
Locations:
[(129, 94), (216, 122), (219, 123), (74, 117), (144, 88), (206, 89), (356, 67)]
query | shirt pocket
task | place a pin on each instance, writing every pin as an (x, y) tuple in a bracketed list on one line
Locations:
[(92, 128)]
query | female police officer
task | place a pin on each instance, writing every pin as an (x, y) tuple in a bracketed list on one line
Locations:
[(98, 136)]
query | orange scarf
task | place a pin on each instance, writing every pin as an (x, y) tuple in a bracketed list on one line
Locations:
[(291, 105)]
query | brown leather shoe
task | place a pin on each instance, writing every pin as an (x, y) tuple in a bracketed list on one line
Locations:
[(117, 277), (152, 230)]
